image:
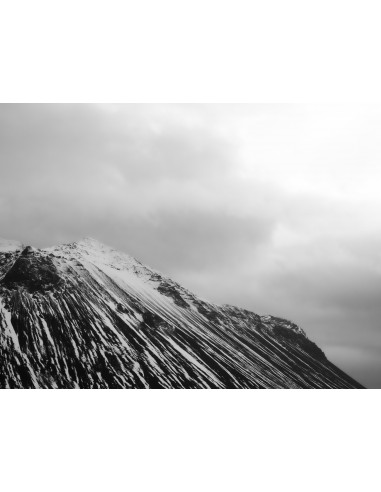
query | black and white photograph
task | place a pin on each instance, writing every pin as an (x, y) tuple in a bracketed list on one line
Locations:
[(190, 246), (190, 237)]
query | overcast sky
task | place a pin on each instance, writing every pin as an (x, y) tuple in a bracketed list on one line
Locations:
[(274, 208)]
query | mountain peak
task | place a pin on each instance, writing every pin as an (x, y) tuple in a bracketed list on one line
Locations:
[(89, 240), (84, 315)]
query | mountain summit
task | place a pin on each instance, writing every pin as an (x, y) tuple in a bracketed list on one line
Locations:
[(83, 315)]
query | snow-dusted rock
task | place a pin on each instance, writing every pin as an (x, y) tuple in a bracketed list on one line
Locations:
[(83, 315)]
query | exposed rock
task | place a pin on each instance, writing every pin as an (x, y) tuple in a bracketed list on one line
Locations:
[(84, 315), (32, 272)]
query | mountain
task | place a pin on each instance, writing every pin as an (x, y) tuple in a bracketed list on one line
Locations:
[(84, 315)]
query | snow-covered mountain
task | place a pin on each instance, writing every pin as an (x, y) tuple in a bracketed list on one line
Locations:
[(84, 315)]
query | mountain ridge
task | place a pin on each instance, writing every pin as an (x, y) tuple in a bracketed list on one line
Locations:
[(84, 315)]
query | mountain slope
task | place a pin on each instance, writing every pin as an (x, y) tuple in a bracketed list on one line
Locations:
[(83, 315)]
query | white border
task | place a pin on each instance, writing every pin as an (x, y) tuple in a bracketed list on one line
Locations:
[(291, 440), (199, 51)]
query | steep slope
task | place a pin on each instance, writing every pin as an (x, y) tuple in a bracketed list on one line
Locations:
[(83, 315)]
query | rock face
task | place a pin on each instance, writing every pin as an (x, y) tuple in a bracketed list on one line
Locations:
[(83, 315), (32, 271)]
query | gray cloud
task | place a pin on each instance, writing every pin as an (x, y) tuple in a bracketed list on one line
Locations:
[(273, 208), (187, 239)]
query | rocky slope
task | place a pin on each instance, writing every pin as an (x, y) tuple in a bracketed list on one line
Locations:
[(83, 315)]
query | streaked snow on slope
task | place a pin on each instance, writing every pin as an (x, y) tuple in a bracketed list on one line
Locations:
[(84, 315)]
